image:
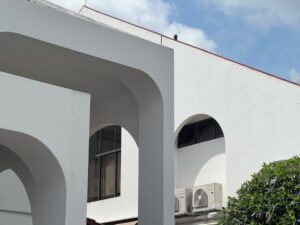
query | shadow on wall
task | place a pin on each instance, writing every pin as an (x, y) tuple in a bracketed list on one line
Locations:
[(13, 194), (201, 164)]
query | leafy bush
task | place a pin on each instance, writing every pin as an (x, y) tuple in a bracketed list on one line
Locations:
[(272, 196)]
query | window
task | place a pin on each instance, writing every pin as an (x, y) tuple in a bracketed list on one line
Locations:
[(187, 135), (200, 131), (105, 164)]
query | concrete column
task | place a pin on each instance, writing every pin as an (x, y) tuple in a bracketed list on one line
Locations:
[(156, 167)]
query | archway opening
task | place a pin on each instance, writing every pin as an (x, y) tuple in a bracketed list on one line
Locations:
[(140, 108), (113, 175), (200, 154), (41, 176), (15, 206)]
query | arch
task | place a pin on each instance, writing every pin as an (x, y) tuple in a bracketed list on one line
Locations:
[(86, 73), (126, 204), (82, 62), (111, 123), (14, 205), (115, 106), (13, 194), (195, 118), (10, 161), (40, 173), (202, 162)]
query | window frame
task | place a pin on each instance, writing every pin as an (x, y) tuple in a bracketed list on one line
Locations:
[(218, 132), (116, 151)]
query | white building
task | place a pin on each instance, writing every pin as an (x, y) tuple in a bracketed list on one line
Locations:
[(65, 76)]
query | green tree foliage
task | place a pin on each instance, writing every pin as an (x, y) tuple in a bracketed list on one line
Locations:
[(271, 197)]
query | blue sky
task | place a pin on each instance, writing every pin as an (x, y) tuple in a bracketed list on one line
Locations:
[(262, 34), (274, 48)]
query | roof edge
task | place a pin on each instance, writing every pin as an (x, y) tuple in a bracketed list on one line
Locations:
[(193, 46)]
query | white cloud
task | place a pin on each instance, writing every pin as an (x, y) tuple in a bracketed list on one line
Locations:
[(294, 76), (262, 13), (190, 35), (155, 15), (152, 14)]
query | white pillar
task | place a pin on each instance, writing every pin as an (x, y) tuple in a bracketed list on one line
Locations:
[(156, 166)]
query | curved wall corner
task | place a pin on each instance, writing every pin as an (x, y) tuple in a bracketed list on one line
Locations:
[(14, 205), (41, 175), (13, 193)]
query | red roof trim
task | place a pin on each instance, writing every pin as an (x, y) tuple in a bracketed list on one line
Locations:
[(195, 47)]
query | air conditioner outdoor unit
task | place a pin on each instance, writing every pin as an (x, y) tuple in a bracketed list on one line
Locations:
[(183, 201), (207, 198)]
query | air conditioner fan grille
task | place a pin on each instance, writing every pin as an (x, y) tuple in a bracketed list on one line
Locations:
[(200, 199)]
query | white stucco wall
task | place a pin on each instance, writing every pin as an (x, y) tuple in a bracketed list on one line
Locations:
[(13, 196), (126, 205), (259, 114), (42, 126), (82, 56), (12, 218), (14, 203), (201, 164)]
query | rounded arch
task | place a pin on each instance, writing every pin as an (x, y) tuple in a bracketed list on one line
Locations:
[(122, 125), (15, 205), (40, 173), (83, 68), (195, 118), (13, 194), (202, 161), (126, 201), (83, 72)]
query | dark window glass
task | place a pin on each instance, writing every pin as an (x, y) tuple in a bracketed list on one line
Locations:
[(93, 180), (104, 180), (201, 131), (118, 174), (108, 137), (206, 130), (187, 135), (118, 137), (94, 146), (108, 176), (219, 132)]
